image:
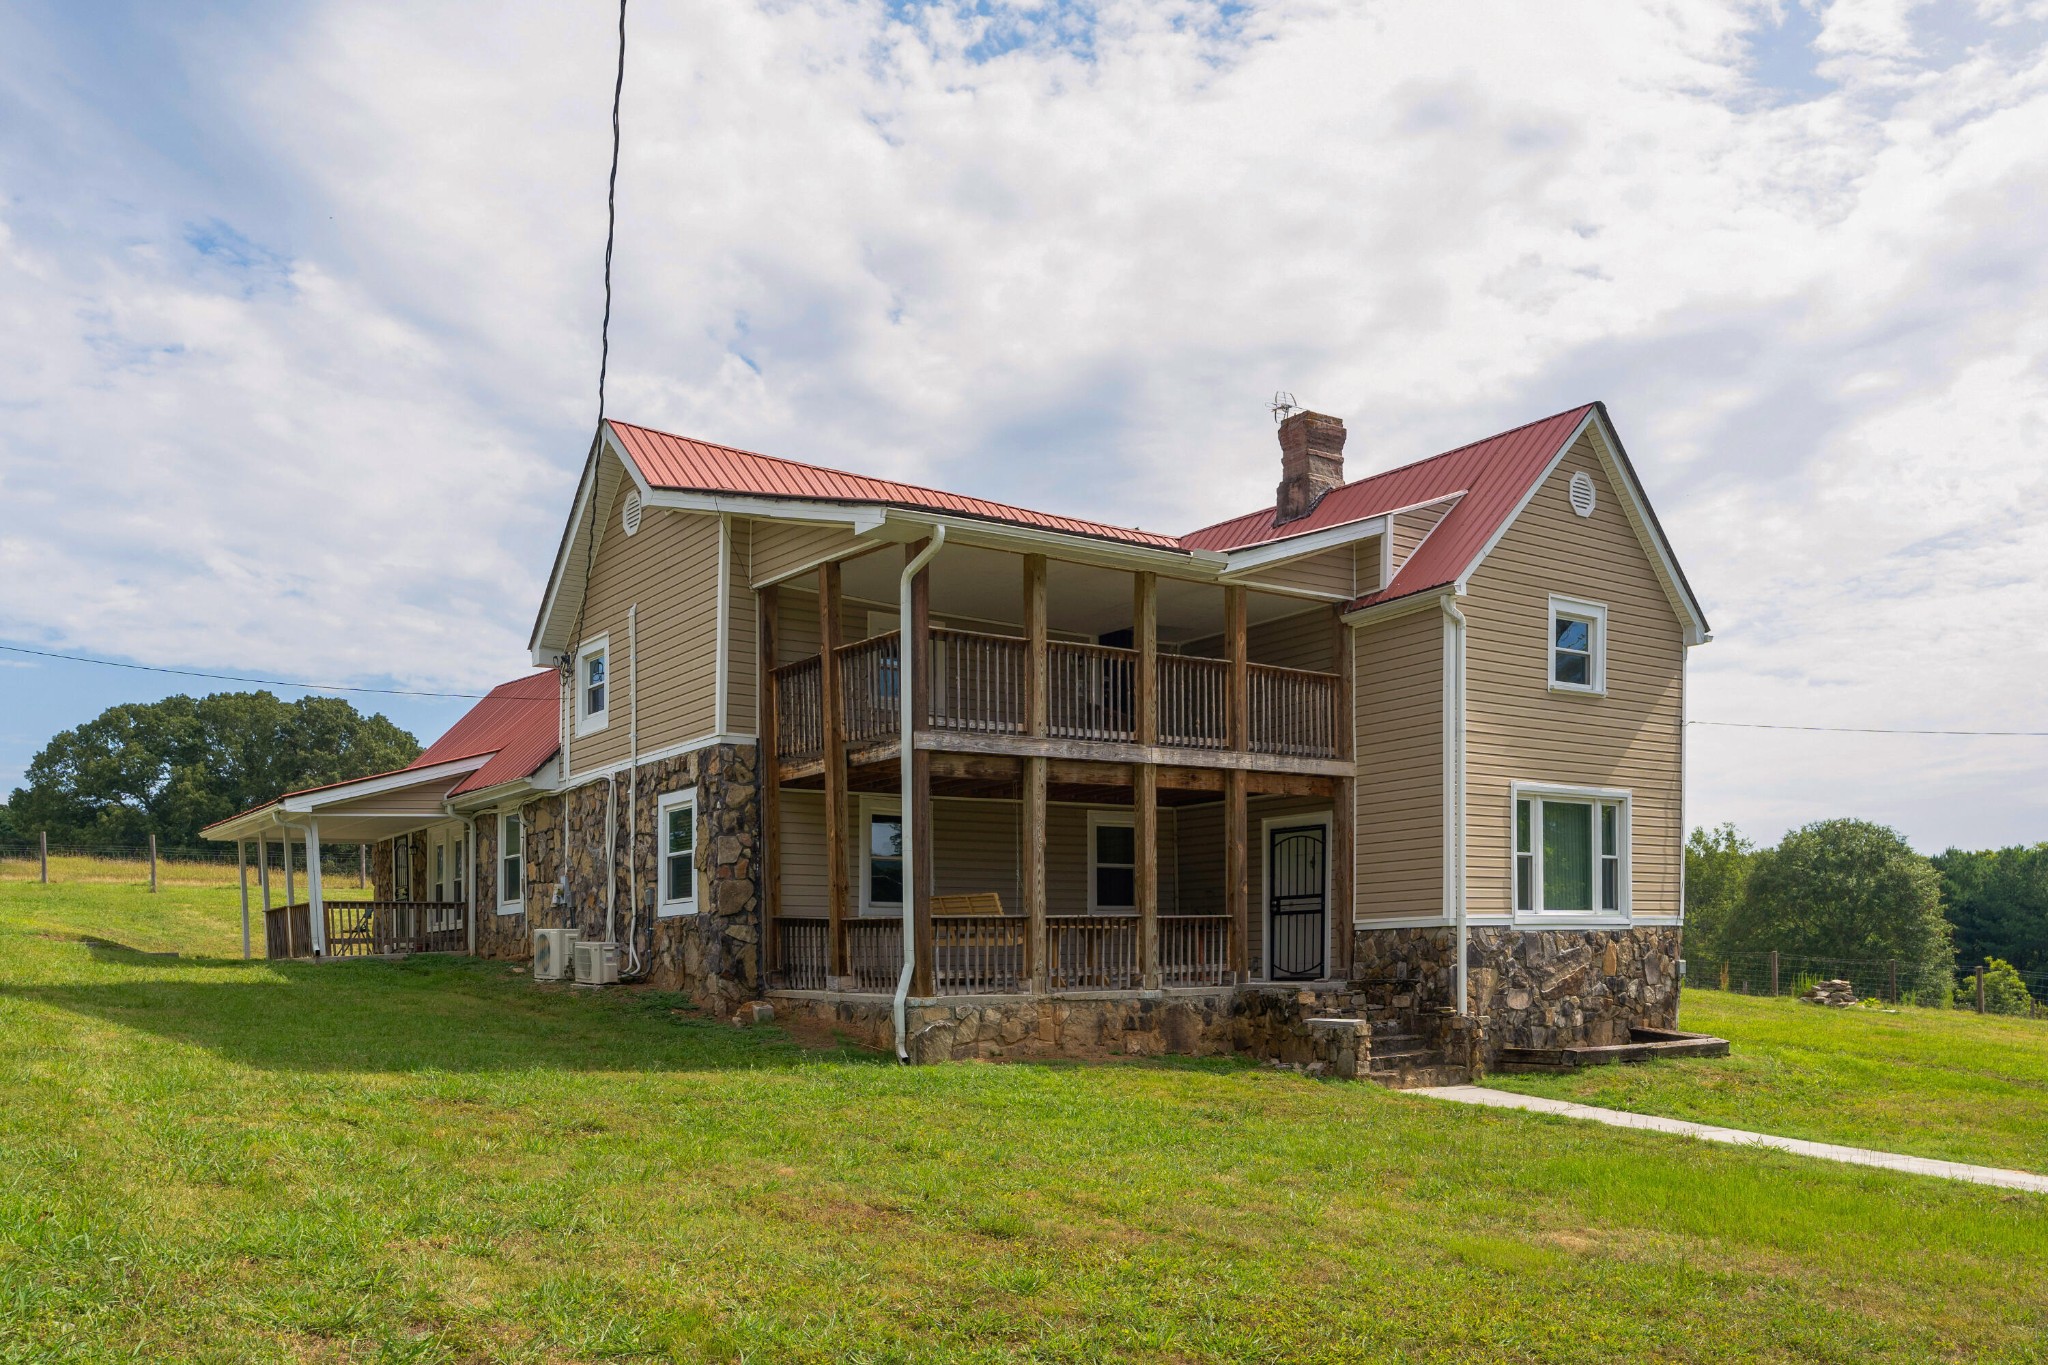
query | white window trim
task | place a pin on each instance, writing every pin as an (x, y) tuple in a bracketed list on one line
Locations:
[(1096, 820), (867, 808), (516, 905), (665, 907), (1624, 896), (590, 722), (1575, 609)]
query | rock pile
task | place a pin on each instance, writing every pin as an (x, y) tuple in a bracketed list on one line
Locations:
[(1834, 994)]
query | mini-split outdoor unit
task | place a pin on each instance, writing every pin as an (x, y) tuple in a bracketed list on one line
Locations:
[(597, 964), (554, 951)]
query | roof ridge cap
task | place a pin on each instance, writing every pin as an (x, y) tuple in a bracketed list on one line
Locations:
[(900, 483)]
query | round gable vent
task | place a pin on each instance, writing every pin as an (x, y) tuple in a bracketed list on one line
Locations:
[(631, 513), (1582, 493)]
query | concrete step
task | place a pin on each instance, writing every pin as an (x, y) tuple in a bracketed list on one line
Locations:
[(1420, 1077)]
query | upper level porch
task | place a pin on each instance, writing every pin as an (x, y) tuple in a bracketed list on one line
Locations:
[(1054, 661)]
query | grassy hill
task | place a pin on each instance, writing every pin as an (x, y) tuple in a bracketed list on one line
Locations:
[(437, 1160)]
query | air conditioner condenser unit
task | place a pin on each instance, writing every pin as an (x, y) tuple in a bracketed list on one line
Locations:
[(554, 952), (597, 964)]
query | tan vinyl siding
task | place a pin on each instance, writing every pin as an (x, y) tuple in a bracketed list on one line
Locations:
[(976, 846), (1200, 870), (670, 569), (1411, 528), (800, 852), (1066, 858), (1399, 743), (1517, 728), (1329, 572), (796, 635), (743, 641), (782, 548), (1305, 640), (1365, 565)]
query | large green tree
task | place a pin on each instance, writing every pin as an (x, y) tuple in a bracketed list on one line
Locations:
[(1998, 902), (1847, 889), (170, 767), (1717, 867)]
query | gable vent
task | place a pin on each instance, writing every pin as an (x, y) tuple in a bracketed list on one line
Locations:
[(1582, 493), (631, 513)]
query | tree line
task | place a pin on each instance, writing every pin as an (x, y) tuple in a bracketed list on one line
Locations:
[(172, 767), (1851, 889)]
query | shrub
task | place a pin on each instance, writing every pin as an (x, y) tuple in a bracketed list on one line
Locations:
[(2005, 992)]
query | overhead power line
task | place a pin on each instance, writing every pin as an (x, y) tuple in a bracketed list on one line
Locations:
[(1867, 729), (236, 677)]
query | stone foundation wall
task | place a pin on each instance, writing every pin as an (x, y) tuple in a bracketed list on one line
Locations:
[(502, 937), (1531, 987), (1268, 1023)]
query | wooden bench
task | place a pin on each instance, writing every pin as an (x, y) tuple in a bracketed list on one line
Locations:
[(973, 903)]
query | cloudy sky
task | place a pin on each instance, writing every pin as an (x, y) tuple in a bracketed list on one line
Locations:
[(299, 302)]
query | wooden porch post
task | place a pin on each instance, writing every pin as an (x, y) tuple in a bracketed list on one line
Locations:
[(1237, 874), (242, 877), (767, 603), (362, 865), (917, 802), (1239, 704), (1036, 964), (834, 727), (1145, 776), (1343, 814), (316, 907), (291, 894)]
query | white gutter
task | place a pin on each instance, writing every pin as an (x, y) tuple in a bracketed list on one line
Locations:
[(906, 651), (1454, 786)]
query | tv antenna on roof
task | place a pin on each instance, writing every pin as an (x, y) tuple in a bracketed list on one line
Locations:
[(1283, 404)]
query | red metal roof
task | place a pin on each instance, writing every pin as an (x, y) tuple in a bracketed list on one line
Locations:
[(678, 462), (516, 724), (1493, 475)]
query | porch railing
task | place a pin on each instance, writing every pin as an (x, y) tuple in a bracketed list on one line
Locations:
[(803, 948), (1091, 692), (1194, 702), (1194, 950), (1293, 711), (1092, 952), (874, 952), (799, 709), (369, 928), (978, 954), (978, 682), (870, 674)]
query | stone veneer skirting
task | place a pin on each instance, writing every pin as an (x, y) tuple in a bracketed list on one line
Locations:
[(714, 956), (1531, 987)]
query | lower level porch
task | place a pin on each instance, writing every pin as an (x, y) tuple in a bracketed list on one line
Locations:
[(374, 928)]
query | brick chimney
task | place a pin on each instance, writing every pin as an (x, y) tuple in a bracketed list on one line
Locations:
[(1311, 463)]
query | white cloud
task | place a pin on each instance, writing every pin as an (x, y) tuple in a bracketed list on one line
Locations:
[(1066, 273)]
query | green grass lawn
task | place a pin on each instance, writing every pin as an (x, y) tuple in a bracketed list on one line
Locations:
[(1940, 1083), (202, 1159)]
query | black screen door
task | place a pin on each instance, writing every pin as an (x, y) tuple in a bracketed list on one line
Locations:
[(1297, 911)]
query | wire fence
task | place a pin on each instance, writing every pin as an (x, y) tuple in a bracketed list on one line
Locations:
[(335, 859), (1887, 980)]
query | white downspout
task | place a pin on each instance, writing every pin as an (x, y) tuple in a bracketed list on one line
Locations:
[(907, 736), (469, 877), (1454, 778), (632, 788)]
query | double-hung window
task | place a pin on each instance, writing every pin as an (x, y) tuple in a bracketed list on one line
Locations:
[(1571, 852), (593, 685), (511, 863), (677, 814), (440, 872), (1578, 646), (1112, 863), (881, 858)]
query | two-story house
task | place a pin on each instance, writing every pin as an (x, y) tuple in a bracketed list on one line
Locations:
[(967, 779)]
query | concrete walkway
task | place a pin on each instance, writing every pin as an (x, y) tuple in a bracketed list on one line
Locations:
[(1826, 1151)]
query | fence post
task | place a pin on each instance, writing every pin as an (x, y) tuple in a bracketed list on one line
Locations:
[(152, 864), (1892, 983), (43, 853), (1774, 971), (1980, 990)]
